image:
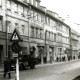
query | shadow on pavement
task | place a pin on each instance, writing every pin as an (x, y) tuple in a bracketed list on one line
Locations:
[(77, 78)]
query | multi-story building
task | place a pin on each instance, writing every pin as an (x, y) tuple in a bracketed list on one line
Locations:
[(74, 43), (38, 27), (79, 46)]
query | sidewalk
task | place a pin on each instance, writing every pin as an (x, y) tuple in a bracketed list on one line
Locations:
[(48, 64), (55, 63)]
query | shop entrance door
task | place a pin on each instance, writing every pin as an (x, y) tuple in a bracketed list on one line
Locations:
[(1, 50)]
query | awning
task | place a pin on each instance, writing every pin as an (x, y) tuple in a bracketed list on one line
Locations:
[(40, 45)]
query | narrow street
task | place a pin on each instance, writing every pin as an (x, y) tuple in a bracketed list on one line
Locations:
[(61, 71)]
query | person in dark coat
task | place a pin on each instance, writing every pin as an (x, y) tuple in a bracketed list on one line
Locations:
[(7, 68)]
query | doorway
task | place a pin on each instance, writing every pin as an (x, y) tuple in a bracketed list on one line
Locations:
[(1, 52)]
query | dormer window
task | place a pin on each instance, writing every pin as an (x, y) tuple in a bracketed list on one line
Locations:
[(0, 2), (27, 1), (36, 3), (32, 2)]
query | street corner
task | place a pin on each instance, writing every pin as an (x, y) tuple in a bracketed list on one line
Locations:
[(77, 78)]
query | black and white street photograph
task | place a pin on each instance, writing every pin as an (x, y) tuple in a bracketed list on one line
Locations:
[(39, 39)]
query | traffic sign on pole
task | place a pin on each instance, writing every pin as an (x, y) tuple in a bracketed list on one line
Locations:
[(16, 47), (16, 36)]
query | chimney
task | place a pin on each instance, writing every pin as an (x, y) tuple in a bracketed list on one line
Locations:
[(34, 2), (31, 1)]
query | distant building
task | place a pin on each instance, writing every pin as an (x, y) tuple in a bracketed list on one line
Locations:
[(74, 42), (38, 27)]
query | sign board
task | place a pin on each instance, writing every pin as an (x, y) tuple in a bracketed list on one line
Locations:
[(16, 36), (16, 47), (15, 55)]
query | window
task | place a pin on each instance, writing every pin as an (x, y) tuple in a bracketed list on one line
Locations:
[(39, 17), (23, 29), (37, 32), (16, 7), (41, 33), (25, 13), (17, 26), (0, 25), (48, 21), (32, 31), (35, 16), (47, 35), (52, 37), (8, 4), (64, 28), (8, 26), (22, 10), (67, 30), (32, 14)]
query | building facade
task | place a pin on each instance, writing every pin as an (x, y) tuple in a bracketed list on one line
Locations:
[(74, 42), (38, 27)]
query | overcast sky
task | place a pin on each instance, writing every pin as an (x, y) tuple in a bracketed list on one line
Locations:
[(65, 8)]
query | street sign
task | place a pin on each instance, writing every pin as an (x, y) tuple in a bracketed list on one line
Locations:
[(16, 47), (16, 36), (15, 55)]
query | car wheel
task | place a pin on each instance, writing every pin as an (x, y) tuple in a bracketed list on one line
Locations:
[(32, 66), (21, 67)]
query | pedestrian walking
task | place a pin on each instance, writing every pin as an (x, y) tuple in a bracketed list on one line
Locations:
[(7, 67)]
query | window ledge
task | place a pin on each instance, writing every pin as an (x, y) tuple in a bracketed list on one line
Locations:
[(15, 11), (8, 9)]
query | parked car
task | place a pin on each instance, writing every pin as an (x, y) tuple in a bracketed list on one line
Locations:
[(25, 61)]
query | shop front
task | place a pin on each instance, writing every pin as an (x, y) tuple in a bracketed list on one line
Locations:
[(41, 54)]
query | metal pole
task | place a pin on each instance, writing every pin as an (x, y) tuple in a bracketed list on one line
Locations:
[(6, 40), (17, 69)]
